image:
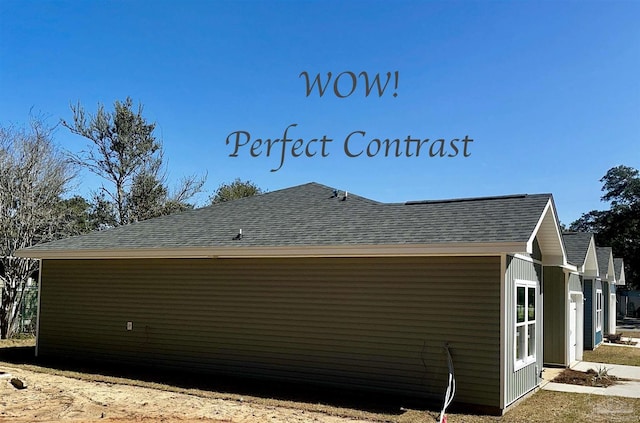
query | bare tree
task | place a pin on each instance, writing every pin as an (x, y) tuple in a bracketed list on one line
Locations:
[(33, 177), (124, 152)]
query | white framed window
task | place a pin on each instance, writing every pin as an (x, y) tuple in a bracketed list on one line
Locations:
[(598, 309), (525, 322)]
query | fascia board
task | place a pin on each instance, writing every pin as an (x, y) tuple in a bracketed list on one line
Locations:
[(290, 251), (562, 253)]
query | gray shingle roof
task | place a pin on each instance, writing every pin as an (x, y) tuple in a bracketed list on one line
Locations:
[(604, 254), (576, 245), (309, 215), (617, 266), (618, 263)]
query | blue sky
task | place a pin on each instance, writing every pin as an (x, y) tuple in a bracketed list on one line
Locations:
[(548, 91)]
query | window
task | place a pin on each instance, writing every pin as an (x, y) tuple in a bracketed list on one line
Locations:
[(598, 309), (525, 334)]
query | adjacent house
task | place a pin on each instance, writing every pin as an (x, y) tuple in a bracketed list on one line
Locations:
[(621, 281), (608, 278), (564, 301), (581, 250), (314, 285)]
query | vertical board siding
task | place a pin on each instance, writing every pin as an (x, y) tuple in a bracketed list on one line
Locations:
[(519, 382), (359, 323), (589, 308), (554, 315)]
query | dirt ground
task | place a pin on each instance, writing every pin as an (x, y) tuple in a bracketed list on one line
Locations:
[(52, 398)]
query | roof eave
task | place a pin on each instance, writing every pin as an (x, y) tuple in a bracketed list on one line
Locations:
[(399, 250), (549, 235)]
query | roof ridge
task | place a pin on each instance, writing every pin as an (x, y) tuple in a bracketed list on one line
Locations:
[(466, 199)]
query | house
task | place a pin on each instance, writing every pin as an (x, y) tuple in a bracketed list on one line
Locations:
[(564, 301), (314, 285), (621, 281), (608, 278)]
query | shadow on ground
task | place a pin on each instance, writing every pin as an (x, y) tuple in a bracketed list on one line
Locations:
[(234, 386), (628, 324)]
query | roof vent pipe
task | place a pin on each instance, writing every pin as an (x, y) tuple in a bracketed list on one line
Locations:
[(239, 236), (345, 196)]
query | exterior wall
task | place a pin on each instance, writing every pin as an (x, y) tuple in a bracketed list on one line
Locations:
[(598, 333), (377, 324), (576, 294), (555, 303), (606, 286), (589, 311), (519, 382), (611, 311), (592, 336)]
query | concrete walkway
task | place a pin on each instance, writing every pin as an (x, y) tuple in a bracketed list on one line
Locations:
[(629, 389)]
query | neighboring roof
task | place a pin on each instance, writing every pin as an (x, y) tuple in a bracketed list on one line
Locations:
[(577, 246), (605, 263), (618, 266), (296, 220)]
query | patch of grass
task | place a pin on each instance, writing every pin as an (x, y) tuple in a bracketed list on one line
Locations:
[(565, 407), (613, 355), (21, 341)]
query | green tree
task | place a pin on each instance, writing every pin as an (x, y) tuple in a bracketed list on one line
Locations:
[(77, 217), (33, 178), (234, 190), (618, 227), (124, 152)]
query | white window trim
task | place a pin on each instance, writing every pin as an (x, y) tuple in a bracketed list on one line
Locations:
[(599, 299), (528, 359)]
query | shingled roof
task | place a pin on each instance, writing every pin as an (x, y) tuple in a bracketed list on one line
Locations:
[(605, 256), (312, 215), (618, 265), (577, 245)]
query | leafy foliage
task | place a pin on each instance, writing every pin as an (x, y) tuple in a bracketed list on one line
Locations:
[(618, 227), (125, 153), (235, 190)]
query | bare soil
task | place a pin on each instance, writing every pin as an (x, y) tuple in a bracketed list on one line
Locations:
[(52, 398), (619, 339), (72, 392)]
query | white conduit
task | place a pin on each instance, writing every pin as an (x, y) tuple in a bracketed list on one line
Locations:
[(451, 388)]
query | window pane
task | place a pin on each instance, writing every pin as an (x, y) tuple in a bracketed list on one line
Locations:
[(520, 304), (520, 339), (531, 299), (532, 339)]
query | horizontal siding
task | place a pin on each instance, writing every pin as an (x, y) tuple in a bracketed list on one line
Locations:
[(365, 323)]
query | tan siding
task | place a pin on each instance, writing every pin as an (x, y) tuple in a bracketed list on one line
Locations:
[(555, 303), (375, 323)]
